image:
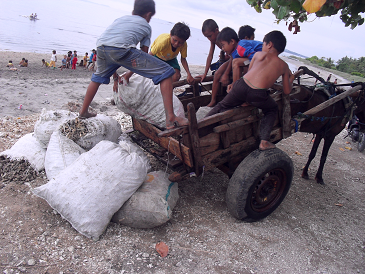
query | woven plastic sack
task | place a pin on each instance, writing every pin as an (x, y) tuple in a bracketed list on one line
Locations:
[(142, 99), (89, 192), (92, 131), (151, 205), (48, 122), (61, 153), (27, 148), (202, 112)]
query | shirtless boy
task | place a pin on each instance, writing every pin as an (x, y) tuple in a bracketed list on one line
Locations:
[(265, 68)]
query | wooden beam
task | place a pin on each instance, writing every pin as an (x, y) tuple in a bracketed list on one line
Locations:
[(235, 124), (331, 101), (194, 137), (168, 143), (286, 115)]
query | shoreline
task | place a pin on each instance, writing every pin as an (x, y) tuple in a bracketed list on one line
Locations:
[(36, 87)]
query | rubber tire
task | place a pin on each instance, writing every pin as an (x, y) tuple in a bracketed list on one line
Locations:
[(248, 181), (361, 144)]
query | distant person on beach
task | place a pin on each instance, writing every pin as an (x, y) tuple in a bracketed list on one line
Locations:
[(25, 64), (68, 59), (52, 64), (329, 77), (335, 82), (72, 56), (210, 30), (91, 58), (265, 68), (74, 61), (116, 47), (85, 59), (64, 62), (10, 64), (45, 63), (235, 48), (21, 62)]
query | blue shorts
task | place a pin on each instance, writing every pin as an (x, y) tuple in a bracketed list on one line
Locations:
[(111, 58)]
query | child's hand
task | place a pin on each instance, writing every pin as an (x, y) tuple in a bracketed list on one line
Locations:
[(229, 87), (202, 77), (190, 79)]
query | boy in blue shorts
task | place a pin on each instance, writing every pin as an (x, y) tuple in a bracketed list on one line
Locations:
[(116, 47)]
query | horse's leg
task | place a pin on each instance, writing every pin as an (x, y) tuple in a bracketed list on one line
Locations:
[(326, 147), (311, 156)]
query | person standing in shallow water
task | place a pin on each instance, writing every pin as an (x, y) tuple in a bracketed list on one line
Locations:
[(116, 47)]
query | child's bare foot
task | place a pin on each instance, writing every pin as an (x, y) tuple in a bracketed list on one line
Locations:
[(177, 122), (265, 145), (86, 115), (211, 104)]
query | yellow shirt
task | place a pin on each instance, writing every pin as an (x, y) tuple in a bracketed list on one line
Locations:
[(162, 48)]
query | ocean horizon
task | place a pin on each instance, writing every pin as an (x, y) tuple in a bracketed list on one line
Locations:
[(78, 28)]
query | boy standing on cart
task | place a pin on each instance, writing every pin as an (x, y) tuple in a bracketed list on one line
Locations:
[(265, 68)]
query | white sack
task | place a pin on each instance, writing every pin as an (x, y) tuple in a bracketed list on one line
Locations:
[(48, 122), (61, 152), (27, 148), (202, 112), (126, 143), (100, 127), (142, 99), (94, 187), (151, 205)]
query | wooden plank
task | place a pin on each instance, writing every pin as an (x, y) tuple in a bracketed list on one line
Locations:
[(194, 138), (197, 79), (331, 101), (222, 156), (168, 143), (209, 143), (235, 124)]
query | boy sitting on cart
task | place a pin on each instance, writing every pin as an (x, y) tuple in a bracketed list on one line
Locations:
[(265, 68)]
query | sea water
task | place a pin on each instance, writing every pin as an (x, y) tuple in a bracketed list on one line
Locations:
[(74, 25), (70, 25)]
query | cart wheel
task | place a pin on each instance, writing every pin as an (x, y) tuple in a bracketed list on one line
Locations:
[(259, 184), (361, 144)]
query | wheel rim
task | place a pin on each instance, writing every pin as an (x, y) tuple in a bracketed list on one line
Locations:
[(268, 190)]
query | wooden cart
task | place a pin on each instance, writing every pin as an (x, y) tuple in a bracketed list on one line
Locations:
[(259, 180)]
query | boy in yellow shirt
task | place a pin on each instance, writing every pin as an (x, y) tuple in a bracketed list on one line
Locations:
[(168, 46)]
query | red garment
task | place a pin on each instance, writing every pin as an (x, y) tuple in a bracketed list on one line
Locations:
[(74, 61)]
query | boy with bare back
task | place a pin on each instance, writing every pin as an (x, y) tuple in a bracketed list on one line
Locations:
[(116, 47), (265, 68)]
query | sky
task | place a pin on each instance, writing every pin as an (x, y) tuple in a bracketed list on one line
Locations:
[(323, 37)]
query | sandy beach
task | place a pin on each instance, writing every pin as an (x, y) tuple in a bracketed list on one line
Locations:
[(317, 229)]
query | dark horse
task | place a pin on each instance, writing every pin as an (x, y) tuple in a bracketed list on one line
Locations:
[(325, 124)]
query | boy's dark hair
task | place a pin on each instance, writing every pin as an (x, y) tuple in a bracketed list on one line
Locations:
[(141, 7), (209, 25), (181, 30), (227, 34), (277, 38), (43, 60), (244, 31)]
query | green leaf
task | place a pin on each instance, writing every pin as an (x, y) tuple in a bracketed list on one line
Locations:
[(283, 11), (274, 5), (283, 2), (295, 6)]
